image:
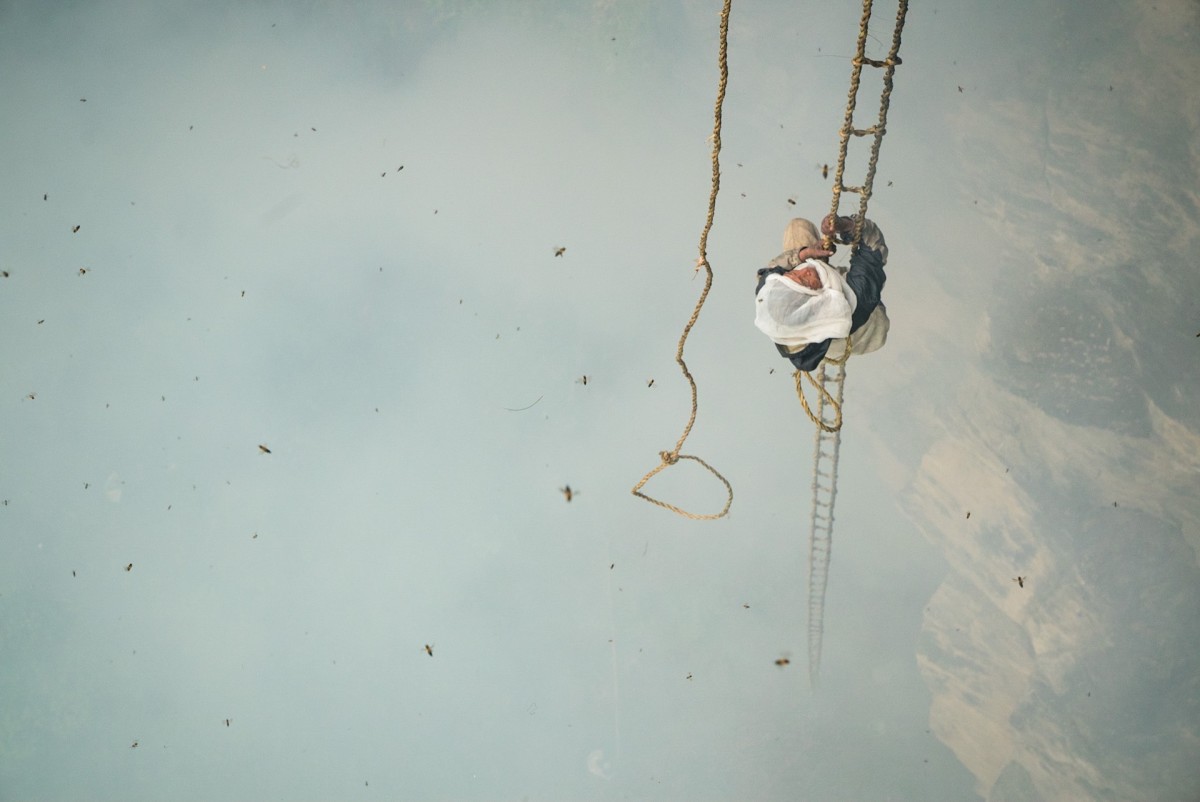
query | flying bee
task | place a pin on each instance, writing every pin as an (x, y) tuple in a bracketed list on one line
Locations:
[(133, 745), (968, 515), (263, 449), (4, 274), (582, 380), (568, 493), (559, 250), (782, 661), (650, 383), (824, 171), (428, 650), (791, 202), (83, 271), (1020, 580), (129, 567), (75, 230), (689, 676), (32, 396), (227, 722)]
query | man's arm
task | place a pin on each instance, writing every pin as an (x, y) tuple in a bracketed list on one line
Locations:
[(866, 276)]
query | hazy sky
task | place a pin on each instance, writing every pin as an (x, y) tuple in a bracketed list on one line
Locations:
[(330, 230)]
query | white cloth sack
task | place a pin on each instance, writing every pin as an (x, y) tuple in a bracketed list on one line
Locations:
[(871, 336), (794, 316)]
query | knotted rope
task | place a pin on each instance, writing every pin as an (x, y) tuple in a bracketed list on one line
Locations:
[(672, 457)]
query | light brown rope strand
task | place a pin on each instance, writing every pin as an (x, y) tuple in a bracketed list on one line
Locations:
[(825, 398), (823, 394), (672, 457)]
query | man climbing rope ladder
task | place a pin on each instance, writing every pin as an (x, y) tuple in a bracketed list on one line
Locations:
[(809, 307)]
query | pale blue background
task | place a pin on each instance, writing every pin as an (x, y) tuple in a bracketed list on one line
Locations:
[(1038, 188)]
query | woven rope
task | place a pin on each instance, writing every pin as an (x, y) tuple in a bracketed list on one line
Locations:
[(673, 456)]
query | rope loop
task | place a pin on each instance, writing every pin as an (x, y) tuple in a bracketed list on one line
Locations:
[(674, 458), (825, 398)]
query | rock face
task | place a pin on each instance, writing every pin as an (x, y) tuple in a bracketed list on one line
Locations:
[(1084, 683), (1074, 440)]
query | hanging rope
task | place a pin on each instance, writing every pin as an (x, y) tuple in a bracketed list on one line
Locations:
[(877, 131), (673, 456), (824, 397)]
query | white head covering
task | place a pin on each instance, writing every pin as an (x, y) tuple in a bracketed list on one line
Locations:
[(800, 233), (794, 316)]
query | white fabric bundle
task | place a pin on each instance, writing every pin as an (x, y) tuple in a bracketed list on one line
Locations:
[(871, 336), (794, 316)]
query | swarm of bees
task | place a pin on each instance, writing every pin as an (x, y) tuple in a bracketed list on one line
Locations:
[(559, 250)]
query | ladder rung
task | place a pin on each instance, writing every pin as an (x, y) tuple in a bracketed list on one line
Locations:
[(877, 63)]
